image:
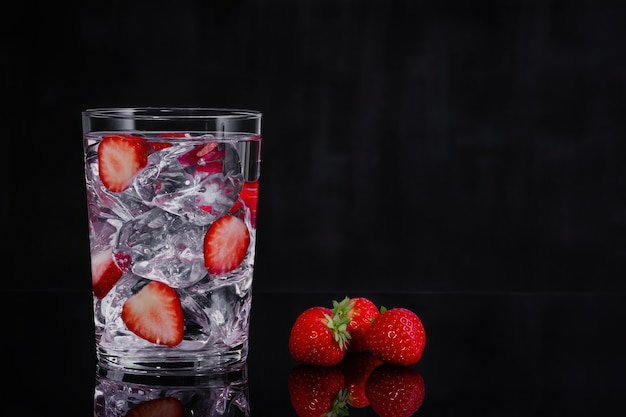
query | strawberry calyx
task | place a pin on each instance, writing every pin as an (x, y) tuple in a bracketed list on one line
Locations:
[(338, 323), (340, 405)]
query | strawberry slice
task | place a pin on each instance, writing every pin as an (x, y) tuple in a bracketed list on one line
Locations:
[(104, 272), (158, 407), (225, 244), (207, 159), (174, 135), (250, 195), (157, 146), (120, 157), (155, 314), (162, 145)]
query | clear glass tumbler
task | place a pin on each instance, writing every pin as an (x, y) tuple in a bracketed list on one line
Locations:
[(172, 197)]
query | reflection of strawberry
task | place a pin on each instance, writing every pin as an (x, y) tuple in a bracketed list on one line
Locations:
[(361, 315), (317, 391), (120, 157), (319, 337), (356, 368), (155, 314), (225, 244), (395, 391), (104, 272), (397, 336), (158, 407)]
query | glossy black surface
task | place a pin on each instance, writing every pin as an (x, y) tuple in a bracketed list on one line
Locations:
[(513, 354)]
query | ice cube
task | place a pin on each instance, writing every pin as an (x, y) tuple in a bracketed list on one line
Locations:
[(107, 204), (199, 183), (163, 247)]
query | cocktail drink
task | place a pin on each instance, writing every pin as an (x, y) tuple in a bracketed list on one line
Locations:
[(172, 204)]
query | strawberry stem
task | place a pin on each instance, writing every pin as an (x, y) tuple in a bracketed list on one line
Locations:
[(340, 405), (338, 323)]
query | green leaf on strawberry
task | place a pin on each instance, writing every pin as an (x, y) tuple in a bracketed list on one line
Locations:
[(361, 311)]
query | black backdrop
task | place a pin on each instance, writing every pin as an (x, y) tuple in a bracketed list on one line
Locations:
[(427, 146)]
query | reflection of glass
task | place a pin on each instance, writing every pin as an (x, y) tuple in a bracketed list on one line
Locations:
[(359, 381), (223, 394)]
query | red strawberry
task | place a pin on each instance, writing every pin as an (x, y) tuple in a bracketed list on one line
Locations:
[(104, 272), (395, 391), (158, 407), (356, 368), (120, 157), (319, 337), (316, 391), (397, 336), (225, 244), (155, 314), (361, 315)]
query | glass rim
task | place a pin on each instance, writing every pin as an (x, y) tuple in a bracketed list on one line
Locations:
[(171, 113)]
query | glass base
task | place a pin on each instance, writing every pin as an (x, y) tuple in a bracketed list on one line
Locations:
[(185, 368)]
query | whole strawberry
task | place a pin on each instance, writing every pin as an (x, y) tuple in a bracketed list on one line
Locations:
[(397, 337), (317, 391), (395, 391), (319, 336), (361, 311)]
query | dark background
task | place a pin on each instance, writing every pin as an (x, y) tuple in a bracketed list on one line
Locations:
[(408, 145)]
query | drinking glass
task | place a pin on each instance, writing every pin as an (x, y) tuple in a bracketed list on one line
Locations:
[(172, 196)]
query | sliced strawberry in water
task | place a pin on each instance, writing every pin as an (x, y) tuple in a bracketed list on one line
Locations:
[(130, 137), (174, 135), (156, 145), (120, 158), (236, 208), (225, 244), (155, 314), (205, 158), (158, 407), (250, 195), (104, 272)]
